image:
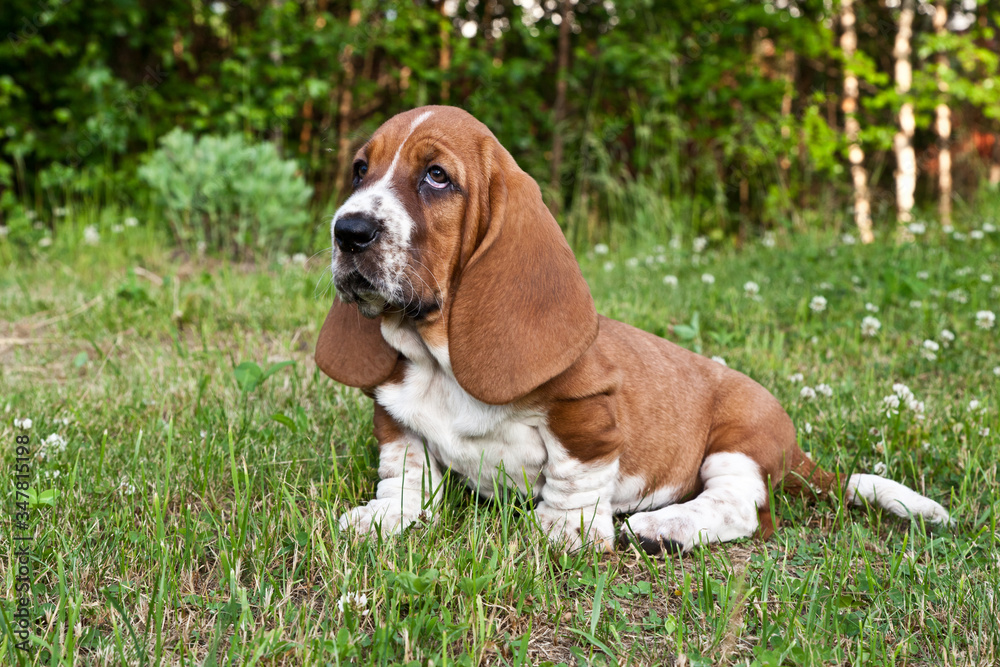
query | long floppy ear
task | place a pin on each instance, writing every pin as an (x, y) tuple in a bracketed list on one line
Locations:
[(351, 349), (522, 312)]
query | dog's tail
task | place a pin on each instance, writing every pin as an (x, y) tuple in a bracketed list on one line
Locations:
[(861, 489)]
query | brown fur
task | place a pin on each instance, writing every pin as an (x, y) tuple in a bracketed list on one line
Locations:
[(520, 326)]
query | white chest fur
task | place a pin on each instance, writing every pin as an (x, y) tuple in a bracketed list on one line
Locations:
[(475, 439)]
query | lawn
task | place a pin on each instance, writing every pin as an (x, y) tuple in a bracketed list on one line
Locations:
[(185, 481)]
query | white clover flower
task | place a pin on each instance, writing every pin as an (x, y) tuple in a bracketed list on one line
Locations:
[(659, 249), (126, 487), (947, 337), (601, 249), (23, 424), (871, 307), (880, 469), (986, 277), (826, 287), (917, 228), (661, 259), (947, 229), (751, 289), (676, 243), (808, 428), (976, 235), (963, 271), (632, 262), (769, 240), (795, 378), (91, 235), (609, 266), (989, 228), (818, 304), (131, 221), (923, 275), (848, 239), (985, 431), (649, 260), (353, 601), (985, 319), (720, 360), (996, 371), (824, 390), (916, 304), (699, 244), (929, 350), (879, 447), (870, 326), (708, 278), (60, 211), (670, 280), (55, 443), (958, 295), (973, 405), (807, 393), (4, 231), (891, 401), (45, 241), (117, 229), (300, 258)]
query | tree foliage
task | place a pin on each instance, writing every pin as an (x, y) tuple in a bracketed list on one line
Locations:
[(727, 110)]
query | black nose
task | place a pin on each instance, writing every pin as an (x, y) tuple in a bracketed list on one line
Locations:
[(354, 233)]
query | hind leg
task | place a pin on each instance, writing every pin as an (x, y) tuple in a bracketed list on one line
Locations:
[(727, 509)]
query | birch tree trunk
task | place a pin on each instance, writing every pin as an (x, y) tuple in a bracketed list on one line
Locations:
[(906, 160), (852, 128), (943, 121)]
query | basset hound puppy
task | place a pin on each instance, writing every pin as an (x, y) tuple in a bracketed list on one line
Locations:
[(463, 313)]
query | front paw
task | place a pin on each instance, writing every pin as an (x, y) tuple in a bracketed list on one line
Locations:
[(572, 529), (379, 516)]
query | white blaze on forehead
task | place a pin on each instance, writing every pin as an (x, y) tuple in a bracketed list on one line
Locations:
[(365, 200)]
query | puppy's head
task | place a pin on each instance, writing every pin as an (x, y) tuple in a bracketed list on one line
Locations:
[(443, 223), (396, 238)]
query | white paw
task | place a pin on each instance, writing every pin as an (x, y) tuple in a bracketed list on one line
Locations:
[(572, 529), (378, 516), (668, 530)]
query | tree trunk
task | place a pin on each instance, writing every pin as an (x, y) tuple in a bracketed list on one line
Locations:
[(943, 121), (486, 27), (346, 104), (560, 105), (995, 161), (444, 57), (852, 128), (906, 160)]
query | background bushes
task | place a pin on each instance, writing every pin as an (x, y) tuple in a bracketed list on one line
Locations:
[(716, 117)]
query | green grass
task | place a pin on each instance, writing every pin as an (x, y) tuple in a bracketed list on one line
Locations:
[(196, 523)]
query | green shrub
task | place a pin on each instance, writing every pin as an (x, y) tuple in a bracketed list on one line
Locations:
[(225, 193)]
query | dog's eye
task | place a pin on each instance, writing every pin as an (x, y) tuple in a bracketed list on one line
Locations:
[(360, 169), (437, 178)]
